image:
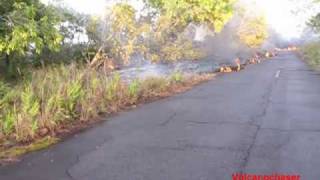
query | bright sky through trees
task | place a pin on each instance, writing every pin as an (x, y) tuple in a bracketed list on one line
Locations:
[(287, 17)]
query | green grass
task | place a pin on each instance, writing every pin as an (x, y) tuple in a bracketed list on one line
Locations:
[(311, 53), (16, 151), (65, 95)]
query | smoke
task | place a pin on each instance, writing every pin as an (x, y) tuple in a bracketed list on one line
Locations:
[(286, 20), (225, 47)]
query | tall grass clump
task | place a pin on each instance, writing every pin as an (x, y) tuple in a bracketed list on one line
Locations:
[(62, 96), (133, 91), (53, 97), (177, 77)]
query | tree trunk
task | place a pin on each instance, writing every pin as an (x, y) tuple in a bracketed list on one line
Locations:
[(7, 60)]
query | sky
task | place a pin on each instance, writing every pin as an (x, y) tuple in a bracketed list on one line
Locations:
[(286, 17)]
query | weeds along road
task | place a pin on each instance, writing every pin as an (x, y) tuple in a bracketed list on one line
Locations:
[(265, 119)]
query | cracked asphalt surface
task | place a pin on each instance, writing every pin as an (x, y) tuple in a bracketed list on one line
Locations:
[(265, 120)]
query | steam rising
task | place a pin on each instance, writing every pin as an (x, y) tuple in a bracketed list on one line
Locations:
[(286, 20)]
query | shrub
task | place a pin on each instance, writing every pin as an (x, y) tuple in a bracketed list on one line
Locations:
[(152, 86), (8, 121), (177, 77), (133, 91), (311, 54), (4, 89), (112, 87), (27, 121)]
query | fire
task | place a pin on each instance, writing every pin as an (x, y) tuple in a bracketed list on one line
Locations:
[(228, 69), (270, 54), (267, 55), (289, 48), (292, 48), (254, 60), (225, 69)]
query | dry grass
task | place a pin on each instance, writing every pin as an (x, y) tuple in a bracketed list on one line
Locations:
[(60, 99)]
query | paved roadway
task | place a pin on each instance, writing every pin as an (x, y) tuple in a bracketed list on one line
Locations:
[(265, 119)]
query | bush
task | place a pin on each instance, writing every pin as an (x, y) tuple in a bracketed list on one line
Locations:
[(152, 86), (311, 54), (176, 77), (133, 90)]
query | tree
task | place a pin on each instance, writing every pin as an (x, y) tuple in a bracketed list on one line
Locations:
[(214, 13), (166, 42), (174, 16), (124, 36), (71, 23), (253, 31), (27, 25), (314, 23), (74, 28), (159, 34)]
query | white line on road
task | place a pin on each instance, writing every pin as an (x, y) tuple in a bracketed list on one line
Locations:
[(278, 74)]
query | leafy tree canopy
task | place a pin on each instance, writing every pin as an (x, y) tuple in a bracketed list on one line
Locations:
[(123, 34), (253, 31), (314, 23), (28, 25), (214, 13)]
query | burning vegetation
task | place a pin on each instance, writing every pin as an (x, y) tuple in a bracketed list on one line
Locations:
[(256, 59), (52, 83), (158, 36)]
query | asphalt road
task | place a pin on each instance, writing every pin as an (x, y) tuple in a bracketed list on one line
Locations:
[(265, 120)]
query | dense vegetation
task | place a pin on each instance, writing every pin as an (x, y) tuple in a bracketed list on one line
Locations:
[(27, 26), (311, 50), (58, 96), (52, 80), (311, 53), (213, 13), (253, 31)]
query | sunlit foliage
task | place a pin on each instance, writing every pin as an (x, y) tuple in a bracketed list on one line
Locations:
[(173, 17), (160, 39), (125, 33), (311, 52), (27, 25), (121, 36), (213, 13), (253, 31)]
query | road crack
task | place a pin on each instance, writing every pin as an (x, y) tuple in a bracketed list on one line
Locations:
[(79, 155), (167, 121), (67, 171), (257, 120)]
